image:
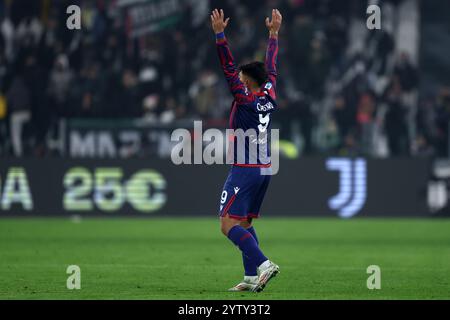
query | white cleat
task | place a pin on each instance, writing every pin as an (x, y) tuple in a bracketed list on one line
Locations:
[(248, 284), (267, 271)]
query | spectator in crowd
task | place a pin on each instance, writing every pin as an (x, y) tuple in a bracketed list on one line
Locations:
[(395, 120), (365, 119), (344, 117), (442, 122), (60, 82), (407, 73), (19, 106)]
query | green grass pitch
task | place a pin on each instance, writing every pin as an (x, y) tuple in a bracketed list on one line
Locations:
[(190, 259)]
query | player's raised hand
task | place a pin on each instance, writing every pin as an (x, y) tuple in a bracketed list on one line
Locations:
[(274, 25), (218, 21)]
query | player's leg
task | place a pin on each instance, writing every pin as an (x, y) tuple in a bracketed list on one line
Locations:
[(227, 223), (246, 223), (250, 281), (249, 247), (237, 195), (243, 239), (251, 272), (251, 278), (267, 270)]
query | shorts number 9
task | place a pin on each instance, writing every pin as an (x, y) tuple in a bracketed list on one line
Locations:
[(223, 197)]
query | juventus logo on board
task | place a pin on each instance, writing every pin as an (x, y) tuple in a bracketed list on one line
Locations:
[(352, 194)]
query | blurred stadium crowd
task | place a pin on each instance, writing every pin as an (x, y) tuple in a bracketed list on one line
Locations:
[(342, 91)]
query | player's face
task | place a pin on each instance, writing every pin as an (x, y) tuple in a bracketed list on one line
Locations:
[(243, 79)]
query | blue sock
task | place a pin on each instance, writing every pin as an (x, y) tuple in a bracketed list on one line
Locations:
[(247, 244), (249, 267)]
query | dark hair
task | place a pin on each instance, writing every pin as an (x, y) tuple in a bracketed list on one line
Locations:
[(255, 70)]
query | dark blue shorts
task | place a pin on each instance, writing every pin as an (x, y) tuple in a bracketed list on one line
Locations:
[(243, 192)]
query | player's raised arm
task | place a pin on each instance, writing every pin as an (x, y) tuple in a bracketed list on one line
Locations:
[(219, 24), (274, 26)]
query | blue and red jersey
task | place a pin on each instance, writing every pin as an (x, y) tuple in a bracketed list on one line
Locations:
[(250, 112)]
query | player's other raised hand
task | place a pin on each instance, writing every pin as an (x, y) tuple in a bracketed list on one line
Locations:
[(274, 25), (218, 21)]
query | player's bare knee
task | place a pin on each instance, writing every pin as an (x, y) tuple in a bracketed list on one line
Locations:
[(226, 223), (224, 230), (246, 224), (223, 227)]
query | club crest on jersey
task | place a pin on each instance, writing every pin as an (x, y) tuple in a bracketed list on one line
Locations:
[(268, 86)]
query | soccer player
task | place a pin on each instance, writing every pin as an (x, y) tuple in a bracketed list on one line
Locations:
[(253, 88)]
